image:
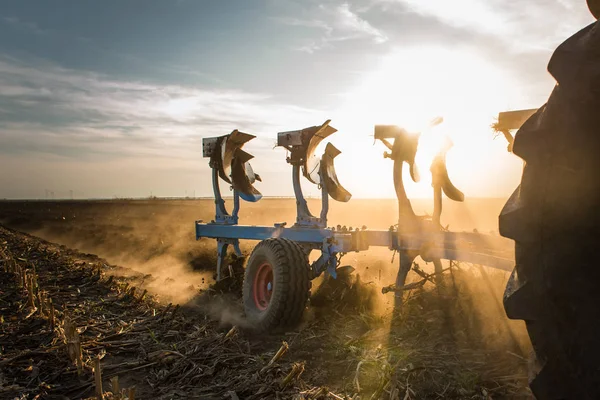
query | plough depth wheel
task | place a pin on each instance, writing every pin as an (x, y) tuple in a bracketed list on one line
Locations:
[(276, 285)]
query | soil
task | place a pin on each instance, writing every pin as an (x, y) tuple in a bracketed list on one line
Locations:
[(139, 291)]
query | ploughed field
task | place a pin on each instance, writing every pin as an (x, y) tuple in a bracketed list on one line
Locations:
[(130, 278)]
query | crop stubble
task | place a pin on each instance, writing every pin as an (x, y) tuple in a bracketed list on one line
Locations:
[(451, 341)]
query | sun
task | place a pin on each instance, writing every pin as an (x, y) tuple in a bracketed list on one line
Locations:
[(409, 88)]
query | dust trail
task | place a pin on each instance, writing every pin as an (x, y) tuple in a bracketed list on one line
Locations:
[(226, 309), (167, 278)]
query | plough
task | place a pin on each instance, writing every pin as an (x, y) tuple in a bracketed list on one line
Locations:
[(278, 272)]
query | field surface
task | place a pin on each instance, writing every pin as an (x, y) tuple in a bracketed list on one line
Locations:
[(130, 279)]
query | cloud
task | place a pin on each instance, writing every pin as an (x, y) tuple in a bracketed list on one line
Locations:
[(526, 24), (52, 111), (304, 23), (351, 22), (522, 27), (338, 23), (85, 131), (474, 14)]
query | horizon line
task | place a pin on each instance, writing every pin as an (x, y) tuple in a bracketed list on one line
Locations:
[(155, 198)]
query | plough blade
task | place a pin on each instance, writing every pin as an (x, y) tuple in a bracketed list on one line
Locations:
[(230, 163), (316, 138), (232, 142), (333, 186), (404, 147), (439, 174), (449, 189), (302, 145), (389, 132), (243, 176)]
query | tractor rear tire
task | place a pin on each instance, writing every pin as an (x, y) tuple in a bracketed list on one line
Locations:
[(553, 216), (276, 285)]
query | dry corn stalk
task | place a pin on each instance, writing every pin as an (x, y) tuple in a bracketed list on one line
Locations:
[(40, 299), (282, 350), (18, 274), (297, 370), (22, 275), (35, 280), (356, 376), (30, 286), (98, 378), (231, 332), (116, 390), (315, 393), (51, 314), (73, 344)]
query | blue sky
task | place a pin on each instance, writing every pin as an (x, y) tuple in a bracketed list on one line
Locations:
[(112, 98)]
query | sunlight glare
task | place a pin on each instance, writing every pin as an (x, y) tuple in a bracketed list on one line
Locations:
[(409, 88)]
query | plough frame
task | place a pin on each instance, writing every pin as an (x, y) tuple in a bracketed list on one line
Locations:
[(412, 236)]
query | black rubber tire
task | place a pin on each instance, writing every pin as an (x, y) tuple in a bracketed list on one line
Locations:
[(553, 218), (291, 285)]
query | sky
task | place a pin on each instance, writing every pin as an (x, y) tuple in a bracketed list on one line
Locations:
[(103, 99)]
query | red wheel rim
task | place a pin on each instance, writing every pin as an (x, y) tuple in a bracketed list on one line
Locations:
[(262, 287)]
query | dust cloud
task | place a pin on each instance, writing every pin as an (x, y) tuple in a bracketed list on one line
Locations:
[(166, 277), (156, 238)]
